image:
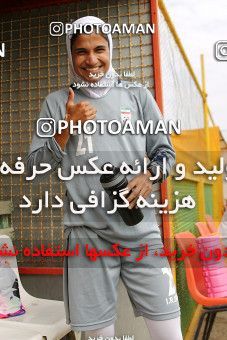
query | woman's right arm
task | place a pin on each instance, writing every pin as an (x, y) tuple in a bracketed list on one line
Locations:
[(44, 149)]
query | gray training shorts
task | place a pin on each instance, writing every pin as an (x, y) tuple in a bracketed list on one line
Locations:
[(90, 287)]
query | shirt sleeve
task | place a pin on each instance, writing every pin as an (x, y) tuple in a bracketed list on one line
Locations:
[(44, 149), (158, 146)]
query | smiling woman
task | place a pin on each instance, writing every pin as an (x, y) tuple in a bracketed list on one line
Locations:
[(90, 55), (90, 293)]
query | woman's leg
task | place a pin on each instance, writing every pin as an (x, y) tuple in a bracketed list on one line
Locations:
[(77, 335), (105, 332), (165, 329), (91, 287)]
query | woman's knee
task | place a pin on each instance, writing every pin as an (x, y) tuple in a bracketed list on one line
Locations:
[(164, 329), (105, 332)]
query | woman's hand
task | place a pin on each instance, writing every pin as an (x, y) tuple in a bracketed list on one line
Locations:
[(81, 111), (140, 185)]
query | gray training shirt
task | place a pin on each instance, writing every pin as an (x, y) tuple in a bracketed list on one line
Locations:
[(119, 103)]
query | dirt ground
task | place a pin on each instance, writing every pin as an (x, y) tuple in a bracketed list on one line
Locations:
[(219, 331)]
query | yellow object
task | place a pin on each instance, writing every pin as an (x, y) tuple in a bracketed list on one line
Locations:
[(205, 107), (191, 148), (191, 330)]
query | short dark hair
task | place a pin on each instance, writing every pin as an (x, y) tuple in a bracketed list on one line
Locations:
[(75, 35)]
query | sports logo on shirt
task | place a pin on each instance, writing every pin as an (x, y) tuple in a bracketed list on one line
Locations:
[(125, 114), (172, 289)]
